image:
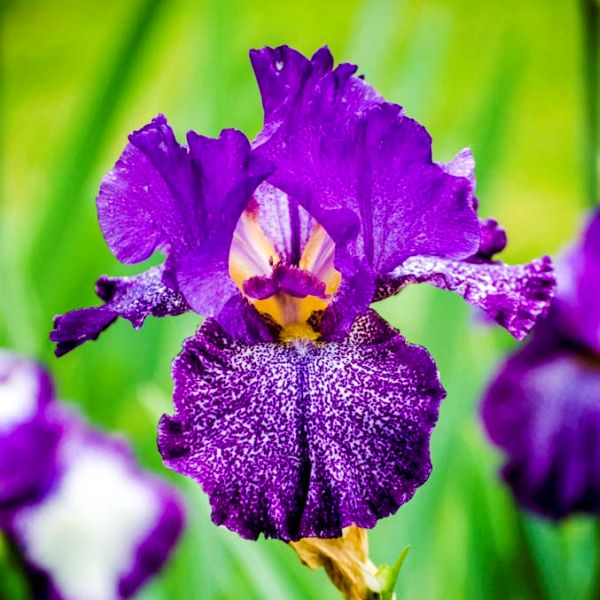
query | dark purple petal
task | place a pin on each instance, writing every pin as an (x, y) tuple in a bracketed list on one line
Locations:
[(244, 323), (543, 410), (513, 296), (360, 166), (227, 175), (493, 240), (578, 296), (302, 439), (28, 438), (132, 298), (105, 526)]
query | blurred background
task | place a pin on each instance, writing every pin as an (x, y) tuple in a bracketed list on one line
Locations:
[(505, 78)]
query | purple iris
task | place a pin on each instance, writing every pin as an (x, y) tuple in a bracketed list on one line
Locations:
[(543, 408), (92, 524), (297, 408)]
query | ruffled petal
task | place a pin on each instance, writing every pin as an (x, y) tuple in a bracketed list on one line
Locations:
[(301, 439), (28, 438), (228, 173), (104, 528), (360, 166), (132, 298), (513, 296), (543, 411), (147, 200), (160, 195)]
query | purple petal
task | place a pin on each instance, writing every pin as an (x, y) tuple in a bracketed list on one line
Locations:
[(228, 173), (147, 199), (578, 296), (543, 410), (105, 527), (360, 166), (132, 298), (300, 440), (493, 240), (285, 279), (462, 165), (513, 296), (187, 203), (28, 438), (493, 236)]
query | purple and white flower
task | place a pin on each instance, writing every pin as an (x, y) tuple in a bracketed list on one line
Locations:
[(98, 527), (28, 436), (543, 407), (297, 408)]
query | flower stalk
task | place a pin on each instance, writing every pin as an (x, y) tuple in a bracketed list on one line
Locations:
[(591, 66), (347, 564)]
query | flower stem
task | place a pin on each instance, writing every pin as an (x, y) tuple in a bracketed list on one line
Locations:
[(595, 587), (590, 23)]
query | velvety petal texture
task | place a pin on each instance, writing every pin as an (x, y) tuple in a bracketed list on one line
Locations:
[(543, 410), (103, 528), (28, 437), (132, 298), (513, 296), (302, 439), (360, 166)]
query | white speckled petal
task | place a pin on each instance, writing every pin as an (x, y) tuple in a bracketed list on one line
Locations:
[(302, 439), (513, 295)]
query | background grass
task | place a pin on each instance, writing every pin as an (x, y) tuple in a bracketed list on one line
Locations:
[(502, 77)]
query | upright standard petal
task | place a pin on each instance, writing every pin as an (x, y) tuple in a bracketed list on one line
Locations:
[(360, 166), (28, 438), (543, 410), (132, 298), (514, 296), (104, 527), (302, 439)]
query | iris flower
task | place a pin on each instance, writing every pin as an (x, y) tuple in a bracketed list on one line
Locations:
[(297, 408), (543, 407), (85, 521)]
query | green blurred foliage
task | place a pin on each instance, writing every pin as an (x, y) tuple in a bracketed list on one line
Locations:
[(501, 77)]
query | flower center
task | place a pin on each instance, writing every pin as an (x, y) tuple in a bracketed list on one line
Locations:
[(288, 293)]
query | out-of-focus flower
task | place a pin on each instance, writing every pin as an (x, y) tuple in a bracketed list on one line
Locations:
[(98, 526), (28, 436), (298, 409), (543, 407)]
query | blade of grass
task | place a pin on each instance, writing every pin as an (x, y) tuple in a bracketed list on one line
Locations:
[(65, 204)]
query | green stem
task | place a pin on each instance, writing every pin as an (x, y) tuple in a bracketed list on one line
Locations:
[(529, 560), (590, 25), (595, 587)]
